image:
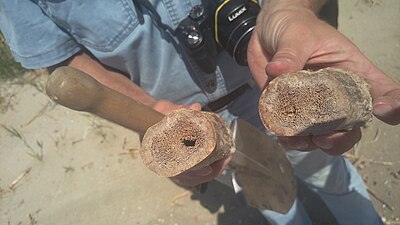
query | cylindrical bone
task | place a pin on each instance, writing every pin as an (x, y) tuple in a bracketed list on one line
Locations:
[(185, 139), (312, 103)]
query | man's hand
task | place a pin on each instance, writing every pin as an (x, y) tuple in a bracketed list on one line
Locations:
[(114, 80), (166, 107), (192, 177), (292, 38)]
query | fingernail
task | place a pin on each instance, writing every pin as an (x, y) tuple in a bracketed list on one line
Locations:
[(382, 109), (203, 171)]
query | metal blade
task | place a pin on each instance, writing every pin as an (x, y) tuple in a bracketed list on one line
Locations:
[(262, 169)]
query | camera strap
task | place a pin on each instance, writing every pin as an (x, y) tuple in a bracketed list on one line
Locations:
[(157, 18)]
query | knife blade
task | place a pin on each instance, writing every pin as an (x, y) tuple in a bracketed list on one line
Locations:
[(259, 161)]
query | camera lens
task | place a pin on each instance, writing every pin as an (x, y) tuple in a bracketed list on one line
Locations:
[(234, 23), (239, 41)]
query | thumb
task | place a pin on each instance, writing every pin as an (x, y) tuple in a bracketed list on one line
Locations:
[(287, 59), (387, 107), (195, 106)]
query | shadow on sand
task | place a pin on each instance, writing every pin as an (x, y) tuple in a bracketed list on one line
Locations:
[(232, 210)]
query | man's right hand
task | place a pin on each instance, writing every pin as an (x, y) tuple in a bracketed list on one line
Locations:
[(114, 80), (192, 177), (166, 107)]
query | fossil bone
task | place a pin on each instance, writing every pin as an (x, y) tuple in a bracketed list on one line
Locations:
[(311, 103), (185, 139)]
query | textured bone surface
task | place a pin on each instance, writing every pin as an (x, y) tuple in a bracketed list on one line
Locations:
[(311, 103), (185, 139)]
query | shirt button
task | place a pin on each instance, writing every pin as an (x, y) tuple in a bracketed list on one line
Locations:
[(212, 84)]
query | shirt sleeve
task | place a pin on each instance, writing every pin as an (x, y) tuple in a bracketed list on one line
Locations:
[(34, 39)]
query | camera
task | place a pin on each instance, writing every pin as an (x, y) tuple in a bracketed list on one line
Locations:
[(216, 25)]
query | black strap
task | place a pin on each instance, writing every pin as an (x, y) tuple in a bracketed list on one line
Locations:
[(138, 11), (146, 4), (222, 103)]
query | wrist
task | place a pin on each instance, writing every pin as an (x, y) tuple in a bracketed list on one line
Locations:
[(286, 11), (313, 5), (278, 13)]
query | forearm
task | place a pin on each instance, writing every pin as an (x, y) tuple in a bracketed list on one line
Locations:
[(109, 78)]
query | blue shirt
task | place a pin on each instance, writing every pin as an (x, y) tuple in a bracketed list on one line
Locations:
[(42, 33)]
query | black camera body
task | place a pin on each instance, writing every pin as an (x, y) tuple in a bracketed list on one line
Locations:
[(215, 24)]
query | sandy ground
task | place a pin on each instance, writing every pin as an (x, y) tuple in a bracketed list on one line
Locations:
[(58, 166)]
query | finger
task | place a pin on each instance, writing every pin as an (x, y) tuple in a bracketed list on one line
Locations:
[(387, 108), (195, 106), (165, 106), (287, 60), (202, 172), (301, 143), (385, 94), (257, 59), (219, 166), (338, 143), (192, 178), (195, 177), (291, 53)]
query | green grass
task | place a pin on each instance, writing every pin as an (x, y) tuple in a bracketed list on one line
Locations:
[(9, 68), (32, 152)]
